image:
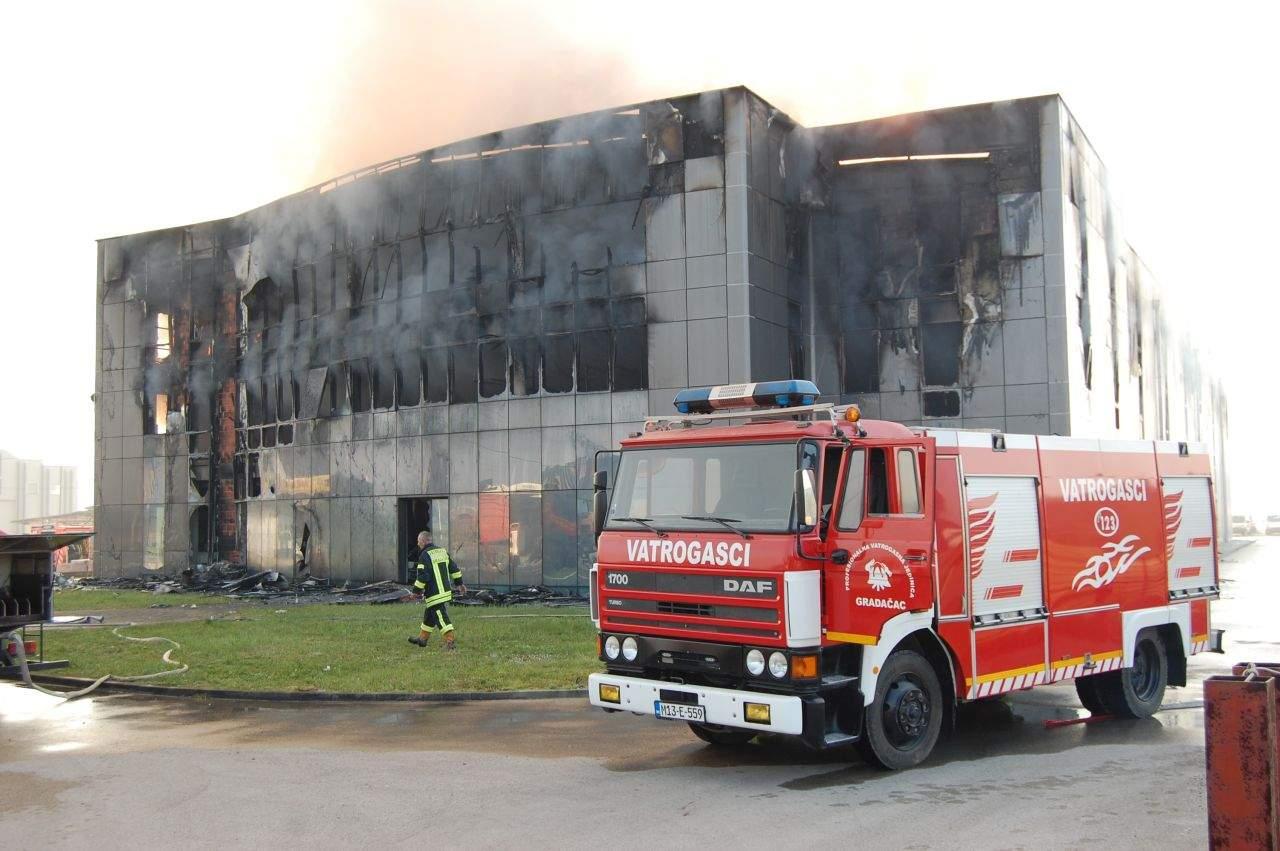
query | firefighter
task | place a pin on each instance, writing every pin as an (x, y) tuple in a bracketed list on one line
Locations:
[(434, 573)]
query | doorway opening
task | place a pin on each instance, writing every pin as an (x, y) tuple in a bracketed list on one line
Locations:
[(419, 513)]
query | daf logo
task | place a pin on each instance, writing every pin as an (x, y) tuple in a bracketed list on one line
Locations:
[(748, 586)]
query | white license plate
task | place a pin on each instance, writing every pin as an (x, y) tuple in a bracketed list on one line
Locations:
[(679, 711)]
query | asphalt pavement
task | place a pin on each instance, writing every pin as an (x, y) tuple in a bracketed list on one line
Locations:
[(130, 771)]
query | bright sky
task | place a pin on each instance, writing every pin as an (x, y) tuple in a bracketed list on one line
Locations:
[(124, 117)]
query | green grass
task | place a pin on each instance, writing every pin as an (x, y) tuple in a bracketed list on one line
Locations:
[(357, 648), (93, 601)]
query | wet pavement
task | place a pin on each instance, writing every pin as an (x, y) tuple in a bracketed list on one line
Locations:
[(132, 771)]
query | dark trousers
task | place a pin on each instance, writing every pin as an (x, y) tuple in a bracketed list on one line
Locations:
[(437, 617)]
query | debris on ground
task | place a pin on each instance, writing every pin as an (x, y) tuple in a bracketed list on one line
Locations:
[(238, 582)]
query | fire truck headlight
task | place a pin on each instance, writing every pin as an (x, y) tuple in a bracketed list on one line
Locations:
[(778, 664), (612, 647), (630, 649), (755, 663)]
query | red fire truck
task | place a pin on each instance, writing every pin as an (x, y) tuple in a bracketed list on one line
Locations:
[(766, 564)]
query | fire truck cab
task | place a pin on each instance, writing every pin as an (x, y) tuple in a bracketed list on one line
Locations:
[(766, 564)]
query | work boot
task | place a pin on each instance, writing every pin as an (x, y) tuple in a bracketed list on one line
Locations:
[(450, 643), (418, 640)]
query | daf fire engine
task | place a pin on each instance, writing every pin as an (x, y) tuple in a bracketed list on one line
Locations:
[(766, 564)]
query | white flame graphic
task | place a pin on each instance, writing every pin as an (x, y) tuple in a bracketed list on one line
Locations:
[(1102, 570)]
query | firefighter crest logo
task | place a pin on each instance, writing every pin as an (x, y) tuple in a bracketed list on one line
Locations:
[(878, 575)]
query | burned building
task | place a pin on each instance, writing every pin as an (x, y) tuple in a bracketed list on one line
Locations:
[(448, 339)]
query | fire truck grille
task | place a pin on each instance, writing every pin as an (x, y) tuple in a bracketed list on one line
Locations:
[(667, 607)]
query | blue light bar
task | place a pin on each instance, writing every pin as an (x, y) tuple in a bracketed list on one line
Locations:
[(764, 394)]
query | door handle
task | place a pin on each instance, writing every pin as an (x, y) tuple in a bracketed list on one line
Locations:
[(917, 555), (840, 557)]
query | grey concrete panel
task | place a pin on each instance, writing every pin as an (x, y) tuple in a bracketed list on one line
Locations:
[(321, 483), (408, 422), (735, 169), (666, 306), (463, 462), (707, 303), (315, 515), (385, 542), (436, 419), (1028, 424), (1025, 351), (705, 223), (361, 472), (493, 415), (1025, 303), (592, 408), (1026, 399), (738, 268), (978, 402), (384, 467), (384, 424), (983, 362), (664, 231), (629, 406), (1021, 225), (900, 407), (525, 452), (408, 465), (463, 417), (737, 219), (558, 411), (559, 458), (131, 447), (1059, 397), (525, 413), (494, 463), (665, 276), (436, 465), (362, 539), (986, 423), (708, 271), (708, 352), (1060, 424), (588, 440), (703, 173)]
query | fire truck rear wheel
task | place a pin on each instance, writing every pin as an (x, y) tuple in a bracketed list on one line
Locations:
[(1137, 691), (715, 734), (904, 720), (1087, 691)]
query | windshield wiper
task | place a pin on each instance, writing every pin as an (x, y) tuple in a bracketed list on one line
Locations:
[(723, 521), (643, 521)]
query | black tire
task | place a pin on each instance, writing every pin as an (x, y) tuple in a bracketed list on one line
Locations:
[(1137, 692), (1087, 691), (725, 737), (905, 717)]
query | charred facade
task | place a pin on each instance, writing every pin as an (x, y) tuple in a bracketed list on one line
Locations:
[(449, 339)]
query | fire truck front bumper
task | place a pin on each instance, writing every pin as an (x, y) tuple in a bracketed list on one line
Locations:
[(773, 713)]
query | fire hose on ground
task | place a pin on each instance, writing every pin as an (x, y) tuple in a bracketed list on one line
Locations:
[(178, 668)]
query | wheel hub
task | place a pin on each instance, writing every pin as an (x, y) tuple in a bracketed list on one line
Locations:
[(906, 712)]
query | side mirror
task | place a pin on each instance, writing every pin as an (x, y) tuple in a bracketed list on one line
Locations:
[(600, 481), (839, 556), (599, 507)]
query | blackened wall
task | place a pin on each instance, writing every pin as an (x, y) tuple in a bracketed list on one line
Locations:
[(474, 323)]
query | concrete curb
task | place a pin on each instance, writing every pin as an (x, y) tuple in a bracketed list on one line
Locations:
[(315, 696)]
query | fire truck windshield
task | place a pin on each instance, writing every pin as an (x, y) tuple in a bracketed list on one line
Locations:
[(743, 487)]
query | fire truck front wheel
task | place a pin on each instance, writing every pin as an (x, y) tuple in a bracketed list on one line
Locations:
[(715, 734), (903, 721), (1138, 691)]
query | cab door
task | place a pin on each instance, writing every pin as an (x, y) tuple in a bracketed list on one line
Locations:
[(881, 544)]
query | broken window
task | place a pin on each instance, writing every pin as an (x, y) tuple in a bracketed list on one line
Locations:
[(557, 363), (408, 379), (323, 272), (254, 484), (239, 480), (462, 374), (287, 393), (861, 362), (304, 286), (941, 344), (268, 437), (200, 529), (163, 337), (268, 396), (384, 383), (942, 403), (594, 356), (631, 358), (493, 368), (285, 435), (437, 378), (358, 386), (525, 355), (160, 413), (333, 400)]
